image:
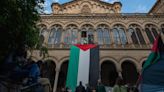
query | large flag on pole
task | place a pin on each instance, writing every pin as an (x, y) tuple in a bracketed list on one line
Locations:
[(152, 77), (83, 66)]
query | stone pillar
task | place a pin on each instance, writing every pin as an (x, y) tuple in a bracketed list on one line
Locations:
[(129, 39), (56, 79), (46, 37), (62, 39), (162, 36), (111, 37), (100, 70), (119, 41), (79, 37), (95, 37), (139, 70), (120, 74)]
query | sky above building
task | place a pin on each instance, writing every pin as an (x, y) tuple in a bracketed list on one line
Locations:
[(129, 6)]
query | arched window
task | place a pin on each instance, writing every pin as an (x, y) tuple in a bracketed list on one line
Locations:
[(55, 35), (103, 34), (43, 33), (150, 36), (71, 34), (151, 31), (162, 28), (135, 34), (87, 34), (122, 36), (119, 35), (140, 37)]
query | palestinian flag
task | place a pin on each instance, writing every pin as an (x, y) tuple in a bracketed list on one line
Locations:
[(155, 54), (83, 66), (153, 69)]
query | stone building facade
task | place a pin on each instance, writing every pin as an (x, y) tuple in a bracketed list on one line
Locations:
[(158, 7), (125, 40)]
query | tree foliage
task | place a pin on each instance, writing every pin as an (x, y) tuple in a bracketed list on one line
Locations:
[(18, 20)]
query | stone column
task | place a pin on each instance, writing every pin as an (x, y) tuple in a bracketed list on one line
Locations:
[(95, 37), (162, 36), (129, 39), (139, 70), (56, 79), (100, 70), (111, 37), (120, 74), (79, 37), (62, 39), (46, 37), (119, 41)]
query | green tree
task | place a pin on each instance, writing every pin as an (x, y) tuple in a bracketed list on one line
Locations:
[(18, 20)]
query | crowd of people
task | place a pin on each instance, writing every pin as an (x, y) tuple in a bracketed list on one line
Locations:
[(118, 87), (25, 72), (28, 72)]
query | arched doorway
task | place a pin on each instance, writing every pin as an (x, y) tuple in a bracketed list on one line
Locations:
[(62, 76), (108, 73), (48, 71), (129, 72)]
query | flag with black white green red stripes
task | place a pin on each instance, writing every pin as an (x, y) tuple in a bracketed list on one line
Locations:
[(83, 66)]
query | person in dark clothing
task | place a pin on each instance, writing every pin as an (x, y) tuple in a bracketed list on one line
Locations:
[(88, 89), (16, 64), (34, 72), (40, 64), (100, 87), (80, 88), (33, 76)]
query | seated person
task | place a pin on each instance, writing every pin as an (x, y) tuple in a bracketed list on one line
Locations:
[(34, 71)]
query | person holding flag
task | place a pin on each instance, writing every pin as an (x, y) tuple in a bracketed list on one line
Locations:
[(152, 76)]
